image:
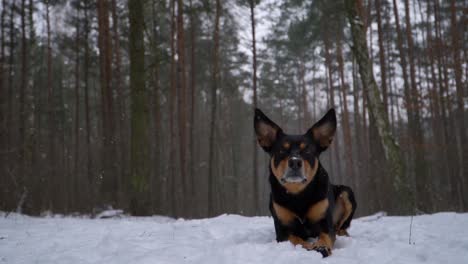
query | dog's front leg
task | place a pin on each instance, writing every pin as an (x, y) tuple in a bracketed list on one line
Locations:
[(326, 238), (291, 232), (288, 226)]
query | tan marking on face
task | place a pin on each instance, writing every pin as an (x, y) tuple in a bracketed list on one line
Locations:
[(295, 188), (284, 215), (286, 145), (280, 169), (342, 210), (295, 240), (309, 170), (317, 211), (302, 146)]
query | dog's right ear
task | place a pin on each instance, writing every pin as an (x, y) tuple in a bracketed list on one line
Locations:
[(267, 131)]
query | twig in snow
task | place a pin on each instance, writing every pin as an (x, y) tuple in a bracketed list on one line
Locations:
[(410, 231)]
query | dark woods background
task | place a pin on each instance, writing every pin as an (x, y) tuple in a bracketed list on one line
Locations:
[(147, 105)]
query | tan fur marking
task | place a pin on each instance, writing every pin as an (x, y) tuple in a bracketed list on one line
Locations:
[(309, 170), (324, 240), (302, 145), (286, 145), (280, 169), (317, 211), (284, 215), (342, 210), (295, 240), (337, 211), (342, 232)]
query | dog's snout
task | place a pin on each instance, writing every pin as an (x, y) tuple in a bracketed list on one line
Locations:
[(295, 163)]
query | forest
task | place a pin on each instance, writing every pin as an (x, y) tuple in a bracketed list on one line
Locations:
[(147, 106)]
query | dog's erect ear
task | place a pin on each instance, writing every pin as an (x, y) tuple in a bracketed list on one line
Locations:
[(267, 131), (324, 130)]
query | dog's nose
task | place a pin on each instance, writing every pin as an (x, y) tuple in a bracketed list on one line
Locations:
[(295, 163)]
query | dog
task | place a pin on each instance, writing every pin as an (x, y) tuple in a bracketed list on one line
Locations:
[(303, 202)]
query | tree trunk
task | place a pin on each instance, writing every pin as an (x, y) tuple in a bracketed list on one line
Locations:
[(345, 116), (21, 161), (120, 143), (418, 135), (254, 87), (460, 87), (335, 147), (75, 174), (403, 64), (182, 106), (51, 177), (214, 89), (3, 125), (193, 101), (391, 149), (89, 160), (172, 117), (139, 204), (158, 178), (9, 159), (109, 184), (383, 66)]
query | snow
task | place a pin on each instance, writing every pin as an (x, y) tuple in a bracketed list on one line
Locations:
[(438, 238)]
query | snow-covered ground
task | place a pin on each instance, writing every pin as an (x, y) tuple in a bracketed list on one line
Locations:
[(438, 238)]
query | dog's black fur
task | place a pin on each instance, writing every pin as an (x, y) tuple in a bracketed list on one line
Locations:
[(303, 202)]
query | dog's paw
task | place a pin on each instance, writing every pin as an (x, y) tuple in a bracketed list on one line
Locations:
[(342, 232), (324, 250)]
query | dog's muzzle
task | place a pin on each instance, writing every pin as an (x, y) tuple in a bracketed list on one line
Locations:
[(295, 171)]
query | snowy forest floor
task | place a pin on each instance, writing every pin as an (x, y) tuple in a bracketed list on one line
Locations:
[(437, 238)]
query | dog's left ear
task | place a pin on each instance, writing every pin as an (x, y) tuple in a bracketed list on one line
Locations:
[(267, 131), (324, 130)]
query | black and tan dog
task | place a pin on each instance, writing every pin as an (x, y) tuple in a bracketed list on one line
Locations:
[(303, 202)]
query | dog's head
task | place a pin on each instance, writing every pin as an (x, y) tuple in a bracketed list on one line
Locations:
[(294, 158)]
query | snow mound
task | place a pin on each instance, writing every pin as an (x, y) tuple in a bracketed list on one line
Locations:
[(438, 238)]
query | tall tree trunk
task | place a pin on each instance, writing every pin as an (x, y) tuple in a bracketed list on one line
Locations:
[(335, 148), (34, 110), (214, 89), (158, 178), (89, 160), (139, 204), (193, 101), (418, 135), (3, 125), (360, 158), (21, 161), (460, 87), (254, 87), (403, 64), (51, 182), (75, 174), (9, 120), (383, 66), (345, 115), (182, 106), (109, 184), (172, 117), (120, 145), (391, 149)]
